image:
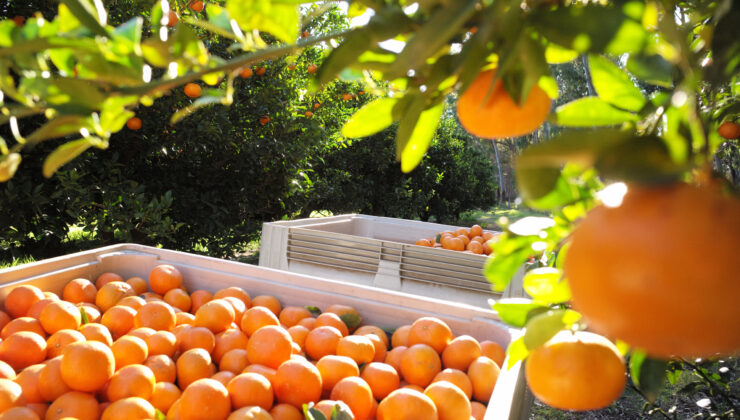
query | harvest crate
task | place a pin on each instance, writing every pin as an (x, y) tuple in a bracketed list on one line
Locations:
[(384, 308), (380, 252)]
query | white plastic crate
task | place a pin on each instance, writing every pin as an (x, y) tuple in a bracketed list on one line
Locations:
[(380, 252), (510, 399)]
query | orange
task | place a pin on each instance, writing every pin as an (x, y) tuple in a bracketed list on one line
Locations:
[(129, 350), (628, 266), (164, 395), (381, 348), (151, 296), (382, 379), (74, 404), (184, 318), (165, 277), (461, 352), (38, 408), (291, 315), (261, 71), (133, 123), (406, 404), (493, 351), (23, 349), (357, 347), (305, 34), (458, 378), (308, 114), (234, 291), (332, 320), (395, 356), (335, 368), (309, 323), (90, 311), (21, 298), (109, 294), (424, 242), (234, 361), (6, 372), (356, 393), (372, 329), (327, 406), (161, 342), (23, 323), (269, 346), (193, 365), (216, 315), (87, 366), (475, 230), (265, 371), (250, 413), (492, 114), (59, 340), (286, 412), (172, 18), (133, 302), (97, 332), (174, 412), (400, 337), (196, 337), (257, 317), (205, 399), (156, 315), (19, 413), (451, 402), (192, 90), (297, 382), (119, 320), (478, 410), (163, 368), (246, 73), (420, 364), (106, 278), (198, 298), (178, 298), (264, 120), (196, 6), (4, 319), (729, 130), (576, 371), (298, 334), (312, 68), (28, 379), (228, 340), (483, 373), (431, 331), (269, 302), (223, 376), (238, 306), (455, 244), (131, 381), (79, 290), (322, 341), (129, 408), (474, 247), (250, 389), (138, 284), (346, 97)]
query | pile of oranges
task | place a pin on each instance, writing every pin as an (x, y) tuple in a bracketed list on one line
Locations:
[(472, 241), (136, 349)]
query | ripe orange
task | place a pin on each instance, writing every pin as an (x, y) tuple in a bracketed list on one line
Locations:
[(91, 312), (265, 371), (346, 96), (6, 372), (23, 349), (56, 343), (250, 413), (223, 376), (382, 379), (380, 348), (335, 368), (483, 374), (257, 317), (163, 367), (454, 243), (172, 19), (478, 410), (60, 315), (87, 366), (21, 298), (260, 71), (576, 371), (110, 293), (322, 341), (4, 319), (195, 337), (729, 130), (216, 315), (406, 404), (269, 302), (286, 412), (193, 365), (119, 320), (131, 381), (129, 350), (458, 378), (161, 342), (332, 320), (28, 379), (192, 90), (250, 389), (305, 34), (628, 266), (246, 73), (79, 290), (395, 356), (474, 247), (227, 340), (133, 123), (356, 393), (297, 382), (312, 68), (23, 323), (461, 352), (19, 413), (269, 346), (129, 408), (451, 402), (106, 278), (308, 114), (475, 230), (178, 298), (264, 120), (196, 6), (164, 395), (424, 242), (493, 351), (74, 404), (166, 277), (97, 332), (205, 399), (431, 331), (234, 291), (499, 116), (183, 318), (400, 337), (51, 386), (234, 360), (420, 364), (156, 315), (357, 347), (198, 298)]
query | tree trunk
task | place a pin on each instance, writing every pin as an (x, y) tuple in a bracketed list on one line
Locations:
[(587, 74), (502, 187)]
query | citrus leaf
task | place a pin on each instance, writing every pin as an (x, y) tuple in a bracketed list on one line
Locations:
[(647, 374), (501, 268), (546, 285), (614, 85), (536, 183), (639, 159), (517, 311), (543, 327), (341, 412), (516, 352), (68, 151), (555, 54), (421, 138), (370, 119), (87, 14), (315, 311), (58, 127), (351, 320), (652, 69), (280, 20), (311, 413), (591, 111)]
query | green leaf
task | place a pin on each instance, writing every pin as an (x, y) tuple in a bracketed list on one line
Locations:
[(67, 95), (613, 85), (555, 54), (591, 111), (315, 311), (351, 320), (421, 138), (630, 37), (160, 415), (312, 413), (647, 374), (68, 151), (546, 285), (408, 109), (500, 268), (280, 20), (66, 20), (58, 127), (517, 311), (643, 159), (370, 119), (88, 15), (535, 183), (517, 351), (544, 326), (341, 411), (652, 69)]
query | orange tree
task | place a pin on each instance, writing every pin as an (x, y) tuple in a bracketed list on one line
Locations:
[(85, 77)]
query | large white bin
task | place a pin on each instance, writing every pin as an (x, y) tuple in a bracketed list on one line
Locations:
[(383, 308), (380, 252)]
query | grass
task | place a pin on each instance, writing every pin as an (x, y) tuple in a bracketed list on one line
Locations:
[(16, 262), (489, 219)]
